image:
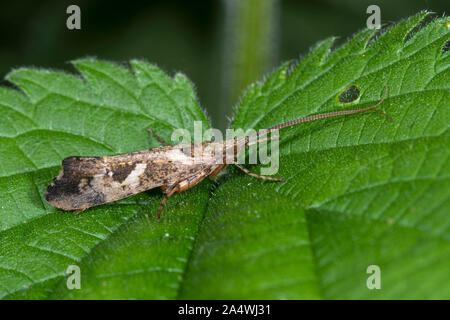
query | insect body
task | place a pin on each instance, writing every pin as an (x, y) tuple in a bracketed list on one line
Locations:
[(85, 182)]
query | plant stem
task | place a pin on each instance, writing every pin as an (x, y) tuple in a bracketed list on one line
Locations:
[(250, 47)]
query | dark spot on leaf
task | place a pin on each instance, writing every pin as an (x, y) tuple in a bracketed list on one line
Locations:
[(349, 95), (446, 47)]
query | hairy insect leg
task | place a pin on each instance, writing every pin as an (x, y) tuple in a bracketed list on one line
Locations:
[(79, 210), (166, 196), (216, 171), (257, 175), (157, 137), (181, 186), (191, 181)]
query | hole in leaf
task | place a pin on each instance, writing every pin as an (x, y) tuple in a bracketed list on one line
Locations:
[(349, 95), (446, 47)]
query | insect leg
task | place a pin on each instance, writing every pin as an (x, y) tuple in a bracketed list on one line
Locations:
[(216, 171), (257, 175), (79, 210), (157, 137), (166, 196), (191, 181), (181, 186)]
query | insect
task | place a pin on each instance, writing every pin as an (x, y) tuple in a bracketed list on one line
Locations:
[(85, 182)]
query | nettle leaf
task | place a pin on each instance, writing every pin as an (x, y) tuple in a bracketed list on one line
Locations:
[(107, 112), (359, 190)]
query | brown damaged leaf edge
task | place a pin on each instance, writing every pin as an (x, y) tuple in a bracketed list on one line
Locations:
[(86, 182)]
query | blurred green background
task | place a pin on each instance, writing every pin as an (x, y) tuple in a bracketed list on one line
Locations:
[(221, 46)]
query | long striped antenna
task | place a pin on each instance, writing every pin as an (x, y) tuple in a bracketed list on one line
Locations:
[(321, 116)]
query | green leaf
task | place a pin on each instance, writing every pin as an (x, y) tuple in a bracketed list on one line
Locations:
[(359, 190), (107, 112)]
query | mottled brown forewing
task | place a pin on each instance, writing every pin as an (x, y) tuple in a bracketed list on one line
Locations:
[(90, 181)]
